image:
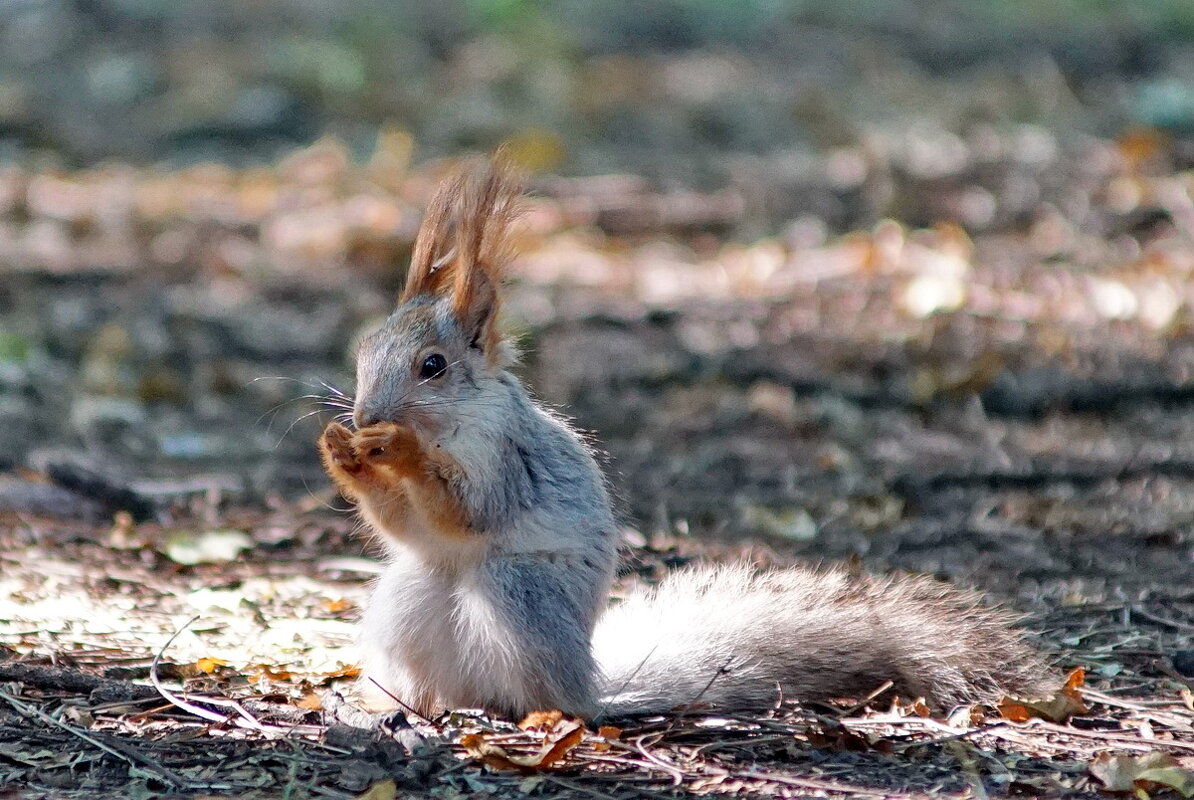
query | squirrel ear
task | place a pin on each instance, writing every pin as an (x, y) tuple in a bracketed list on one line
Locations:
[(430, 262), (487, 209), (463, 246)]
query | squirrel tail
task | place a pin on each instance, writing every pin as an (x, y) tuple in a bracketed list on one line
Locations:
[(731, 638)]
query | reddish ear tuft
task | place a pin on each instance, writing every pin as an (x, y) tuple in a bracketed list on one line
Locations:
[(463, 246), (428, 271)]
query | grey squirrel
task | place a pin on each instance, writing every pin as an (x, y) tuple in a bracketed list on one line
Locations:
[(502, 545)]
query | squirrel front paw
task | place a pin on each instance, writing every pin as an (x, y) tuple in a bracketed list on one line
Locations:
[(388, 444), (336, 446)]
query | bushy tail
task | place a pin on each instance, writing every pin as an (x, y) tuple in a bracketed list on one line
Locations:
[(728, 637)]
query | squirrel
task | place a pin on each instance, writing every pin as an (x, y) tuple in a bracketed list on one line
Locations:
[(502, 544)]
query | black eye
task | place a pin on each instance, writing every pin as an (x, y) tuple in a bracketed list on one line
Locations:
[(433, 366)]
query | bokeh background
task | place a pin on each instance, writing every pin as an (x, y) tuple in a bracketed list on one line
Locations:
[(750, 218), (684, 91)]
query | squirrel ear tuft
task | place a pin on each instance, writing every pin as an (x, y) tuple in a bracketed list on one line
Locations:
[(463, 248), (487, 210), (431, 260)]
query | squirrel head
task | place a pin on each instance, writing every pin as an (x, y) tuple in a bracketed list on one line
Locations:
[(443, 336)]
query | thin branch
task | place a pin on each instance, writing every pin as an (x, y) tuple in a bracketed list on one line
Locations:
[(394, 697), (128, 756), (241, 718)]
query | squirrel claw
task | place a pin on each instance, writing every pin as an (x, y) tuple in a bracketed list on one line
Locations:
[(336, 443)]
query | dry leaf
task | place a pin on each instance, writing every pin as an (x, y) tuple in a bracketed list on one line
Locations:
[(268, 672), (919, 708), (1063, 704), (607, 733), (841, 739), (345, 671), (496, 757), (337, 606), (1142, 773), (208, 665), (386, 790), (541, 720), (207, 547), (310, 701)]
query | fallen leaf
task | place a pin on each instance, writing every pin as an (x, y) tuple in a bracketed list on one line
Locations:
[(917, 707), (607, 733), (345, 671), (1063, 704), (496, 757), (385, 790), (1142, 773), (209, 547), (268, 672), (208, 665), (310, 701), (338, 606), (793, 524), (541, 720)]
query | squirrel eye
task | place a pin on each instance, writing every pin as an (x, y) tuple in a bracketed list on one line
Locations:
[(433, 366)]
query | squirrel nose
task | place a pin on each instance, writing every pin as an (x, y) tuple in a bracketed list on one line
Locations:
[(363, 418)]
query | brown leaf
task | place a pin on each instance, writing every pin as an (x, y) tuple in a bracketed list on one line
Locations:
[(310, 701), (338, 606), (1063, 704), (344, 671), (268, 672), (1142, 773), (496, 757), (607, 733), (541, 720)]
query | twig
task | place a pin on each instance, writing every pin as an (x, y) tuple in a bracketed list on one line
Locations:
[(626, 682), (395, 698), (637, 746), (810, 783), (724, 669), (578, 787), (1168, 623), (953, 737), (866, 700), (241, 718), (129, 756), (1153, 744), (744, 745)]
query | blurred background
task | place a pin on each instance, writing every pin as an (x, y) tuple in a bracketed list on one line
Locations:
[(791, 260)]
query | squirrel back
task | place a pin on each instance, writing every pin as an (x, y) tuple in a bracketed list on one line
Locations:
[(502, 544)]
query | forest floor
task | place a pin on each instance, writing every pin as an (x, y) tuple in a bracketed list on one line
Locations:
[(1010, 412)]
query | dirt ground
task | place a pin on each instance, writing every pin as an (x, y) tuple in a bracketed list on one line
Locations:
[(1010, 413)]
